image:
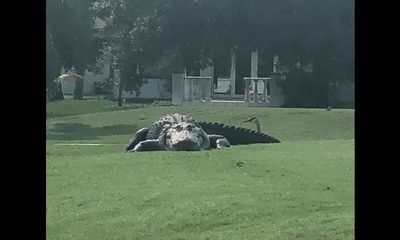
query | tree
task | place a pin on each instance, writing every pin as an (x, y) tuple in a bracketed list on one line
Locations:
[(53, 66), (120, 16), (71, 25)]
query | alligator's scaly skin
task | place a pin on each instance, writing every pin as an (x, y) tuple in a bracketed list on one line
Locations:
[(180, 132), (237, 135)]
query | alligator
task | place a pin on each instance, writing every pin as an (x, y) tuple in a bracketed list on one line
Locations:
[(177, 132)]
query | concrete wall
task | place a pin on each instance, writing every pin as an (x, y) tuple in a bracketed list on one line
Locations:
[(152, 89), (276, 95), (223, 85)]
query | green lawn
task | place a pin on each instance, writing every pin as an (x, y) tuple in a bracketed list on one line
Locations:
[(302, 188)]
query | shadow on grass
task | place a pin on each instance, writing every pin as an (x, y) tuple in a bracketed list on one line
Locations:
[(53, 115), (78, 131), (90, 109)]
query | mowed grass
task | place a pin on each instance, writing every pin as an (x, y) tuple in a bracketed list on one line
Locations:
[(302, 188), (70, 107)]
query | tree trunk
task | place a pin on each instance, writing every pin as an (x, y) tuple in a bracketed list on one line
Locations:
[(120, 94), (78, 92), (54, 92)]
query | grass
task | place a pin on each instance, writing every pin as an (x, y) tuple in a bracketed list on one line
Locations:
[(70, 107), (302, 188)]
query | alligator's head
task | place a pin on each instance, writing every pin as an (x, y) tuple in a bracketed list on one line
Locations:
[(185, 136)]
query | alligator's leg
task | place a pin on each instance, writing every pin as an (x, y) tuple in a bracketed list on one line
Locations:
[(223, 143), (218, 141), (147, 145), (139, 136)]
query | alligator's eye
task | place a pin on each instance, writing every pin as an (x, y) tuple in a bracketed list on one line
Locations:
[(189, 127), (179, 127)]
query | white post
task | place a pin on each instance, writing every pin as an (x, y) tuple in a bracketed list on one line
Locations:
[(191, 92), (246, 90), (254, 72), (276, 91), (178, 88), (254, 63), (276, 63), (207, 83), (264, 97), (233, 72), (255, 91)]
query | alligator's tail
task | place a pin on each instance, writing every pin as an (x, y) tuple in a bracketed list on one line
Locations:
[(237, 135)]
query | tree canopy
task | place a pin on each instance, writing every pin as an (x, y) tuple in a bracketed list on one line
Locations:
[(70, 27)]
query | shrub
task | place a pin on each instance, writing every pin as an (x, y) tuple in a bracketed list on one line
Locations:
[(103, 88), (302, 89)]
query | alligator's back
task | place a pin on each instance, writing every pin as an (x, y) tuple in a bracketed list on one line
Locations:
[(237, 135)]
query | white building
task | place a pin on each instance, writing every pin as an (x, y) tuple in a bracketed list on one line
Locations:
[(89, 79), (151, 89)]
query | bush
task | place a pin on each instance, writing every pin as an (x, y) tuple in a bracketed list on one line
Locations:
[(103, 88), (302, 89)]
